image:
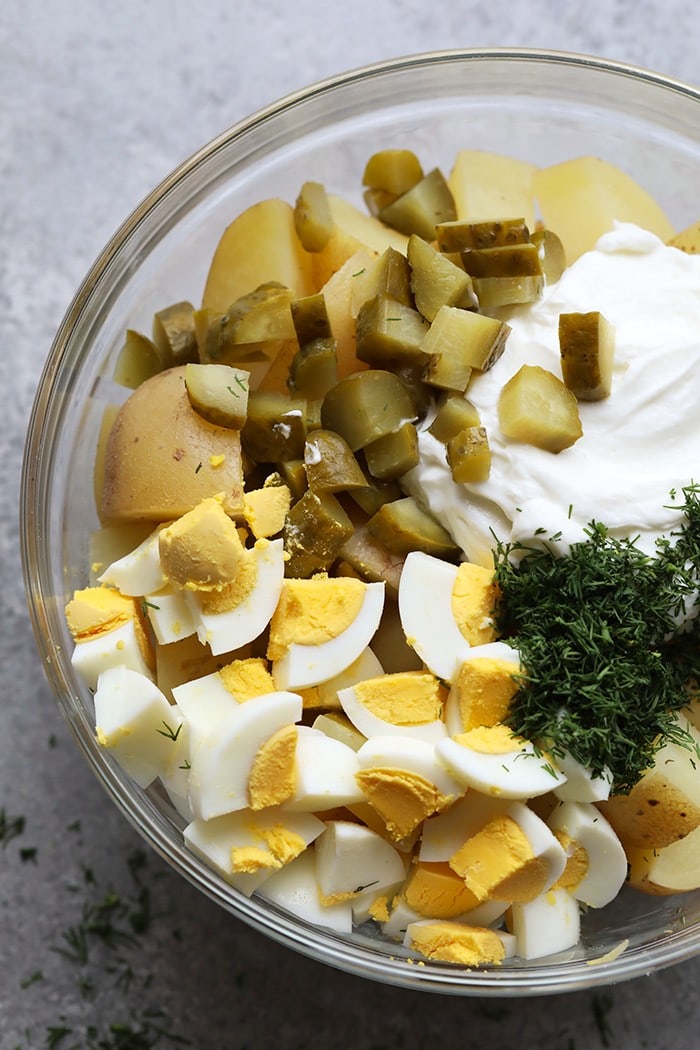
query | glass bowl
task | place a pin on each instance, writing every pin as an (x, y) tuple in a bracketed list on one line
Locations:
[(540, 107)]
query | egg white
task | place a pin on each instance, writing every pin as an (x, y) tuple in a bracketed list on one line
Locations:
[(607, 862), (518, 774)]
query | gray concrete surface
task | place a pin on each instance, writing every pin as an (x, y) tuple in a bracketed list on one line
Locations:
[(98, 101)]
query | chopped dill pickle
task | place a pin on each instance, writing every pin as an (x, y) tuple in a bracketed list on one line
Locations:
[(174, 334), (292, 473), (376, 199), (313, 220), (330, 464), (460, 236), (587, 349), (388, 332), (392, 455), (365, 406), (517, 260), (393, 170), (421, 208), (375, 495), (139, 360), (458, 341), (403, 526), (389, 276), (453, 415), (313, 414), (262, 314), (371, 560), (218, 393), (536, 407), (314, 369), (310, 318), (469, 455), (493, 292), (276, 427), (436, 281), (315, 530), (552, 255), (411, 375)]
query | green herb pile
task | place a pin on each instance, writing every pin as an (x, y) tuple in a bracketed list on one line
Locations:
[(606, 664)]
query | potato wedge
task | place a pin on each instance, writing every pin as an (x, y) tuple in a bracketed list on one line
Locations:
[(489, 186)]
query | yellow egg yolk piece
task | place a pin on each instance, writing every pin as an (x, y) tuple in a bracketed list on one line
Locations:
[(273, 775), (311, 612), (576, 862), (491, 740), (280, 847), (97, 610), (433, 889), (485, 688), (202, 549), (498, 863), (266, 509), (402, 799), (455, 942), (406, 698), (246, 679), (379, 909), (474, 598)]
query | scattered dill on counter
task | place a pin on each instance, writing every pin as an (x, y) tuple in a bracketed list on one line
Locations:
[(606, 665), (10, 827)]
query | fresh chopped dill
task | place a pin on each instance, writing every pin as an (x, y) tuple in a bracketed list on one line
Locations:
[(27, 854), (55, 1035), (33, 978), (171, 734), (232, 392), (606, 664)]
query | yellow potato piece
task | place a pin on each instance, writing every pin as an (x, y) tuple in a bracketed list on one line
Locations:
[(491, 186), (354, 229), (260, 245), (688, 240), (580, 200), (337, 292)]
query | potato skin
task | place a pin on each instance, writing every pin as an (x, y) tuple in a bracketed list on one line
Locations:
[(653, 815), (162, 458)]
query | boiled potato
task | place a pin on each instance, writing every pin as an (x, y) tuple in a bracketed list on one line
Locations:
[(259, 246), (354, 229), (491, 186), (581, 199), (688, 240), (162, 458), (337, 292)]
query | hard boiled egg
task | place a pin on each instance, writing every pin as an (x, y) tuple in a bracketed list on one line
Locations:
[(496, 762), (603, 869), (408, 703), (548, 924), (296, 888), (138, 572), (326, 772), (350, 859)]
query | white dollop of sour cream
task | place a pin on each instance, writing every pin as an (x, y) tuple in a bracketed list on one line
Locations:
[(637, 445)]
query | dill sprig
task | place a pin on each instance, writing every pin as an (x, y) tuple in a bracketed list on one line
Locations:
[(605, 642)]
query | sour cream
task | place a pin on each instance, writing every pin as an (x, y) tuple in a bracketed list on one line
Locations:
[(637, 445)]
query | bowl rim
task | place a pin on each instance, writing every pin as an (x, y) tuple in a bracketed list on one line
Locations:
[(316, 943)]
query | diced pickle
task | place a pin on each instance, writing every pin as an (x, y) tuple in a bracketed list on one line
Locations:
[(275, 428), (376, 199), (262, 314), (411, 375), (436, 281), (469, 339), (375, 495), (392, 455), (138, 360), (495, 233), (366, 406), (392, 170), (493, 292), (313, 220), (389, 275), (314, 369), (388, 332), (552, 255), (313, 414), (310, 318), (403, 526), (174, 335), (314, 533), (453, 415), (293, 475), (372, 560), (330, 464), (536, 407), (422, 207), (587, 349), (218, 393), (448, 371), (517, 260), (469, 455)]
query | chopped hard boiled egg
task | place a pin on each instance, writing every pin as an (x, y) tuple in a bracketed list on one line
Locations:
[(139, 572), (605, 866), (495, 761), (549, 924), (351, 858), (408, 703)]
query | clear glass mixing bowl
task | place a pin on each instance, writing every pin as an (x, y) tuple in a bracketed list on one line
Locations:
[(542, 108)]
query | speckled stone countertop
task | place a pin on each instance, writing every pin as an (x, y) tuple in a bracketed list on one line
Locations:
[(98, 102)]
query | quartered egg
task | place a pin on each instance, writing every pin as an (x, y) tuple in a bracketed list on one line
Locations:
[(138, 572), (408, 703), (548, 924), (497, 762), (320, 627), (295, 887), (137, 724), (602, 870), (445, 609), (581, 785), (351, 858), (444, 833), (455, 942), (170, 615), (325, 772)]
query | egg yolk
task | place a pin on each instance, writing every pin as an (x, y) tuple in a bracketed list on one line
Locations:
[(433, 889), (401, 798), (311, 612), (485, 688), (457, 943), (498, 863), (273, 775), (474, 597), (407, 698), (202, 549), (491, 740), (246, 679)]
